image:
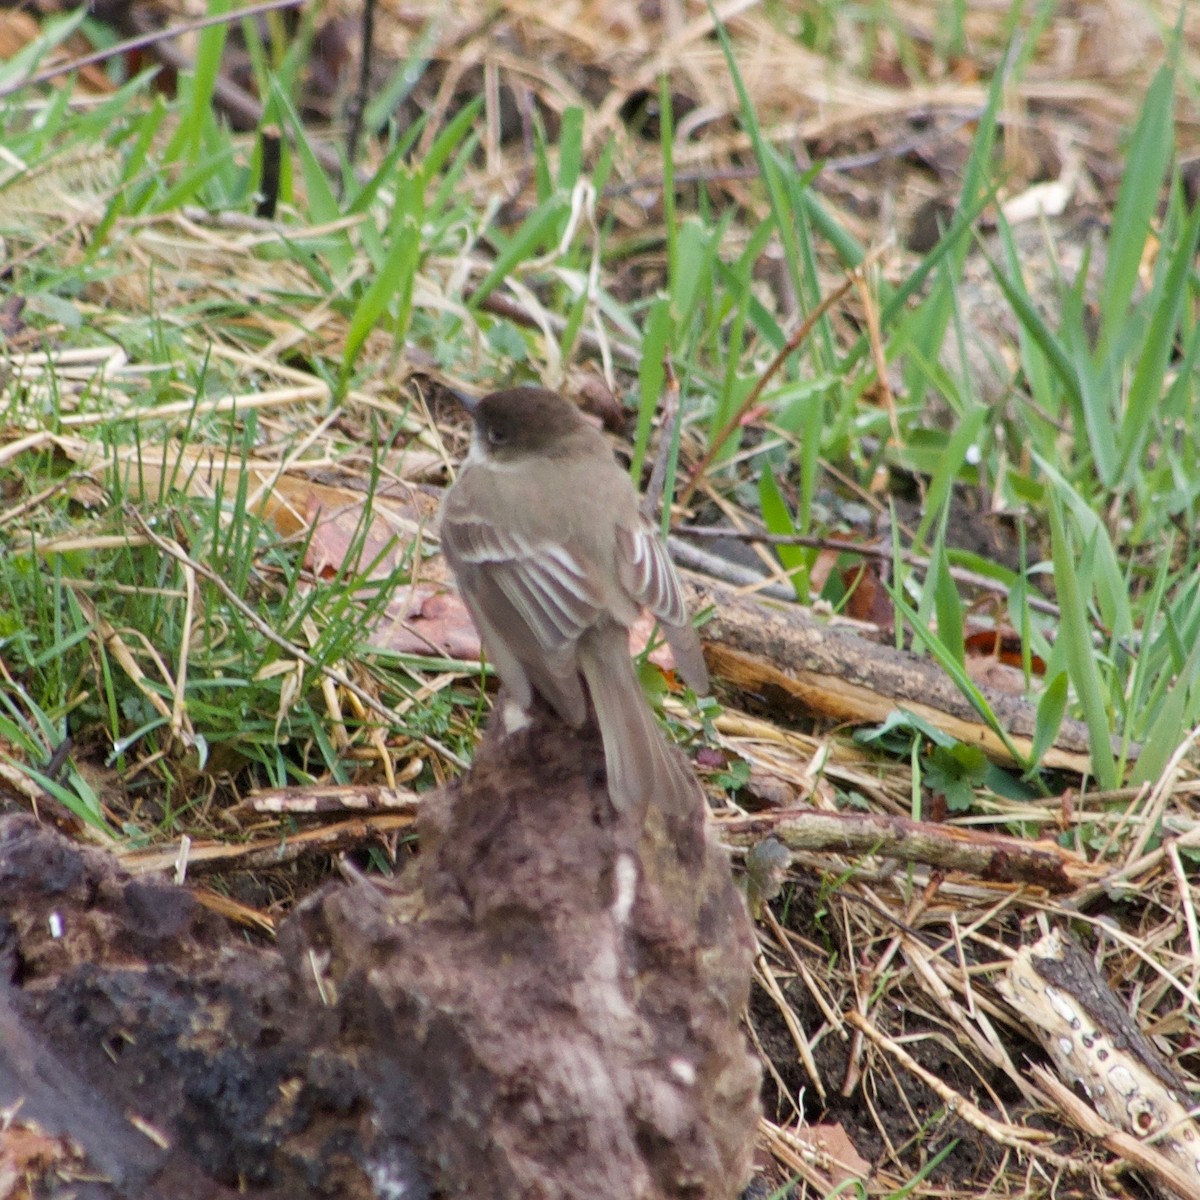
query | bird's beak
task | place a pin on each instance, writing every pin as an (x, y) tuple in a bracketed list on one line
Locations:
[(470, 403)]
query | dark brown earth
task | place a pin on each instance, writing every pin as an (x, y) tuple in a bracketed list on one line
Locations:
[(546, 1005)]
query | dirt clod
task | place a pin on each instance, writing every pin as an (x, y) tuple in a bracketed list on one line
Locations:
[(547, 1004)]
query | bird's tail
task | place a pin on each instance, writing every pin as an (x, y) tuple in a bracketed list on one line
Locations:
[(643, 768)]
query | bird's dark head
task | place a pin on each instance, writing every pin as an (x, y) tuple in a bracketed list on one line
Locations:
[(526, 421)]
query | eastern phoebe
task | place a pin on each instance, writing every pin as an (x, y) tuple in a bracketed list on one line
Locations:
[(555, 561)]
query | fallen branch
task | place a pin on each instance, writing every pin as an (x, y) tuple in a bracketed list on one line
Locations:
[(989, 856), (207, 857), (784, 653)]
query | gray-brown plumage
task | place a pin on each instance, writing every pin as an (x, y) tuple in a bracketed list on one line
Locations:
[(555, 561)]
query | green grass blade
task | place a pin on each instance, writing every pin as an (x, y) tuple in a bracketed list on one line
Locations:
[(1157, 348), (198, 91), (1150, 148), (950, 465), (570, 148), (538, 229), (1075, 631), (24, 63), (768, 162), (779, 521), (651, 377), (947, 604), (396, 277), (1052, 707), (945, 659)]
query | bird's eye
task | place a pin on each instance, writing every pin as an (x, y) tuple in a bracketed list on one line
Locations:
[(496, 436)]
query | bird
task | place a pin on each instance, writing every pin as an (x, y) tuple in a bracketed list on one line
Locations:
[(555, 561)]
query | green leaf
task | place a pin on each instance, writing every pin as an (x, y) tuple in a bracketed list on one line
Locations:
[(81, 799), (455, 133), (925, 329), (897, 732), (404, 77), (507, 341), (778, 520), (956, 771), (695, 250), (1038, 332), (955, 670), (15, 71), (1112, 591), (323, 206), (666, 141), (1052, 707), (1005, 783), (1174, 715), (769, 163)]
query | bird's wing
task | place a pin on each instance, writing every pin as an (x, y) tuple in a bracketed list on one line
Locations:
[(542, 580), (647, 574)]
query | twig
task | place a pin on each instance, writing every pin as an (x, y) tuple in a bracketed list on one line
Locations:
[(1129, 1150), (1024, 1141), (865, 549), (724, 571), (327, 798), (990, 856), (359, 108), (1123, 878), (269, 852), (806, 327), (784, 650), (770, 985), (270, 141), (143, 40), (503, 306), (838, 163)]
